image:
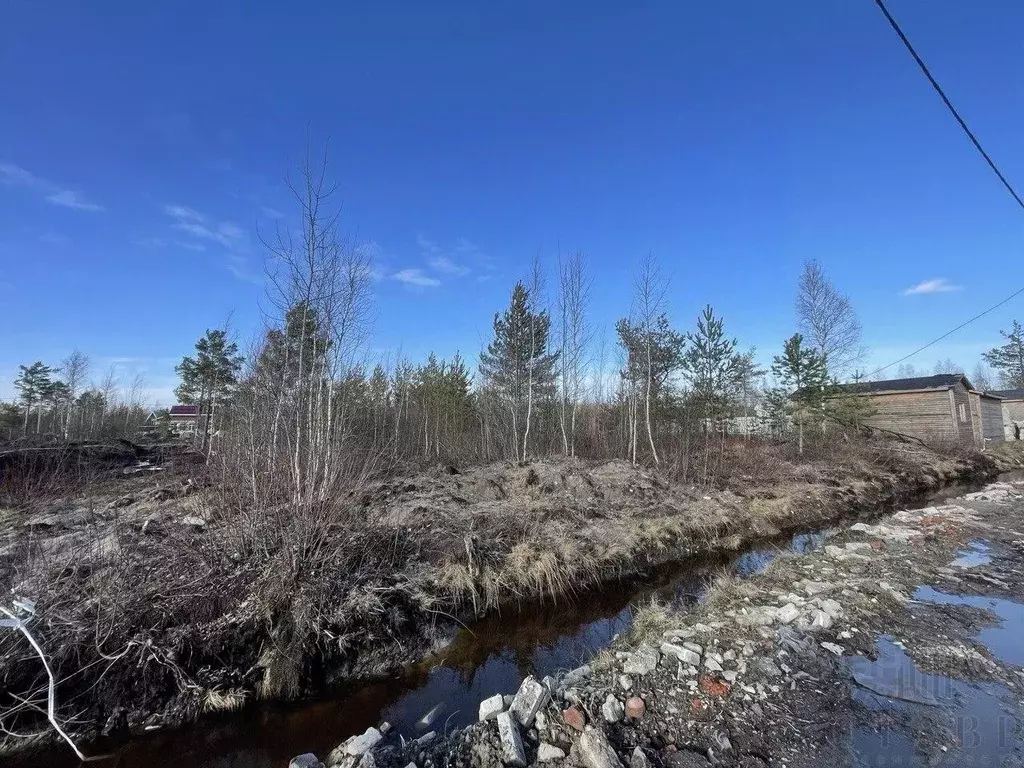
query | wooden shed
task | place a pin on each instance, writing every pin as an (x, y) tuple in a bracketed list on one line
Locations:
[(941, 407), (1013, 412)]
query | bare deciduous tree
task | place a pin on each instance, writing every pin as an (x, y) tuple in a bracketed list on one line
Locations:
[(76, 369), (575, 333), (828, 320)]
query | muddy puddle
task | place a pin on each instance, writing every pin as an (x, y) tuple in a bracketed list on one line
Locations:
[(911, 718), (490, 656)]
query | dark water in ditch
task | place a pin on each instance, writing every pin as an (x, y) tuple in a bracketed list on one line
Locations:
[(490, 656)]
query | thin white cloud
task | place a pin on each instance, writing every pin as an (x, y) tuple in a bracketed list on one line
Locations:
[(415, 278), (16, 176), (271, 213), (190, 221), (71, 199), (457, 260), (183, 212), (935, 285), (190, 246), (446, 266)]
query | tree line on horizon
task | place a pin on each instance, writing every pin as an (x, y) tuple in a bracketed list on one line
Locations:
[(307, 407)]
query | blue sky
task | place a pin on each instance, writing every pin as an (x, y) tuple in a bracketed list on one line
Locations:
[(143, 146)]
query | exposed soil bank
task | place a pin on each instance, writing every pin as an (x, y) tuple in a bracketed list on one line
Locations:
[(472, 541)]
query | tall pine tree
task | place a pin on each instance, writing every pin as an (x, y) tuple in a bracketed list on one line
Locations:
[(517, 364), (804, 373), (33, 385), (208, 378)]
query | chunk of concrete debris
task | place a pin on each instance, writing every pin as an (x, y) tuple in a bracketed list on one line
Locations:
[(512, 752), (831, 607), (529, 700), (761, 616), (712, 664), (612, 709), (492, 707), (639, 759), (625, 682), (833, 648), (642, 661), (549, 753), (576, 676), (193, 521), (787, 613), (767, 667), (308, 760), (595, 751), (541, 722), (821, 620), (361, 744), (681, 653), (814, 588)]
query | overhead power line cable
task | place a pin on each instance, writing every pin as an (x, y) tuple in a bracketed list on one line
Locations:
[(948, 103), (977, 144), (949, 333)]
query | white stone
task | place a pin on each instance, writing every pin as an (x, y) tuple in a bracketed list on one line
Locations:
[(819, 620), (576, 676), (693, 647), (541, 721), (360, 745), (492, 707), (833, 648), (512, 752), (308, 760), (642, 662), (612, 710), (831, 607), (595, 751), (787, 613), (682, 653), (712, 664), (549, 753), (813, 588), (625, 682), (639, 759), (529, 700)]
